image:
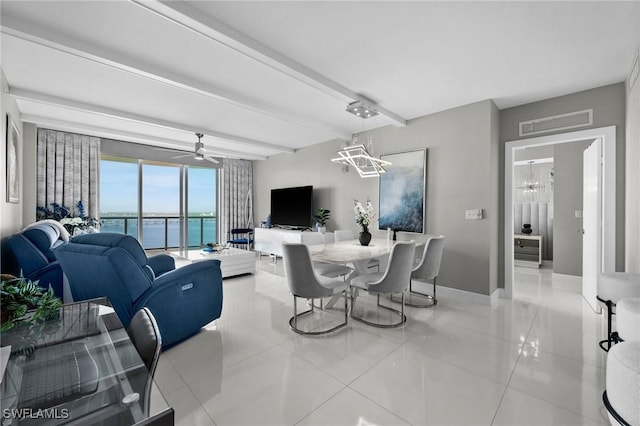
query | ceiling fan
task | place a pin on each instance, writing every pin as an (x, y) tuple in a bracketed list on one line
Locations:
[(200, 152)]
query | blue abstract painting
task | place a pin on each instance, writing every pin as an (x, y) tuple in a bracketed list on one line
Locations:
[(402, 192)]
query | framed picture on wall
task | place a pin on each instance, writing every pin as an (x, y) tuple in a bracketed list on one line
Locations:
[(12, 145), (402, 191)]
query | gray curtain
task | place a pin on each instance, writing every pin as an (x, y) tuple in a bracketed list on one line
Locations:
[(68, 170), (236, 195)]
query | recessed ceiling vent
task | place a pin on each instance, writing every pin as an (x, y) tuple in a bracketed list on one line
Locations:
[(557, 122)]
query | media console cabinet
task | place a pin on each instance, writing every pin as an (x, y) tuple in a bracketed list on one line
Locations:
[(527, 250), (269, 240)]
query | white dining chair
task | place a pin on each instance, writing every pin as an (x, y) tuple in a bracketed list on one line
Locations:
[(394, 280), (426, 269), (331, 270), (305, 283)]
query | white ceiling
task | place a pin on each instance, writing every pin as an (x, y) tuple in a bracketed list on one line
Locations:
[(261, 78)]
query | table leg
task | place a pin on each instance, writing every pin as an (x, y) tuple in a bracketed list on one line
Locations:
[(359, 268)]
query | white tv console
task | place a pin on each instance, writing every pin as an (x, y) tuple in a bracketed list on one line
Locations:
[(269, 240)]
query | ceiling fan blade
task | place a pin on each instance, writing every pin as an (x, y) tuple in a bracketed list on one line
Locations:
[(177, 151), (183, 156), (213, 160)]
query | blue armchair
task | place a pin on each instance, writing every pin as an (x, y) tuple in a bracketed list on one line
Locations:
[(115, 265), (33, 250)]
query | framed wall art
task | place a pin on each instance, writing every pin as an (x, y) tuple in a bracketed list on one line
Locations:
[(13, 161), (403, 191)]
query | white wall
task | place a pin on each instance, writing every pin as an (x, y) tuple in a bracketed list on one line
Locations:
[(462, 173), (632, 260), (10, 213)]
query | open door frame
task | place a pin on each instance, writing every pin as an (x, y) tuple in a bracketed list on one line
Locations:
[(608, 207)]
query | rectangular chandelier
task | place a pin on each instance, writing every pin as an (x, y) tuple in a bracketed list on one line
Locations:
[(358, 157)]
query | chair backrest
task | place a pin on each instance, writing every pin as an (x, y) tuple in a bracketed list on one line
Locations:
[(311, 238), (106, 265), (329, 237), (429, 265), (32, 250), (398, 273), (299, 272), (344, 235), (145, 336), (237, 231), (33, 247)]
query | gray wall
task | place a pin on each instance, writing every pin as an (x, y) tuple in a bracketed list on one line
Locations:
[(10, 213), (608, 103), (567, 241), (632, 261), (462, 173)]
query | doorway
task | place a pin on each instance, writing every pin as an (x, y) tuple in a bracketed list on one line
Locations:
[(606, 205)]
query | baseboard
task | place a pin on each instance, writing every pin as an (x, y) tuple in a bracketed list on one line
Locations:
[(463, 295), (572, 282)]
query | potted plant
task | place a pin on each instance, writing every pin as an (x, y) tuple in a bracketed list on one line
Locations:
[(321, 216), (24, 302)]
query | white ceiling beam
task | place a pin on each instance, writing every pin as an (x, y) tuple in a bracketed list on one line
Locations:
[(137, 118), (127, 136), (186, 16), (77, 48)]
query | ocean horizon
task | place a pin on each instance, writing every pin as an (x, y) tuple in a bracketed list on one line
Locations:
[(153, 230)]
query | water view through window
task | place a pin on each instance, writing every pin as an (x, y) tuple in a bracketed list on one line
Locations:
[(160, 202)]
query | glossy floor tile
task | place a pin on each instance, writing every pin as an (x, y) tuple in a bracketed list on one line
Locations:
[(532, 360)]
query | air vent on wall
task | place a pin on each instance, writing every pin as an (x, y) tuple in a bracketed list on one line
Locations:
[(557, 122)]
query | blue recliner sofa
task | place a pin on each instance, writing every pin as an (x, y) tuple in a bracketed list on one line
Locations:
[(115, 265), (33, 250)]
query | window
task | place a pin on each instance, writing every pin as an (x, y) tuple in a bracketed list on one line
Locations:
[(158, 205)]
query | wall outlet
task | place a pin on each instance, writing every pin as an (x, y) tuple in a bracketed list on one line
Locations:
[(578, 214), (475, 214)]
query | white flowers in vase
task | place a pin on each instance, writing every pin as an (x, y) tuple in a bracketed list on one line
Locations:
[(364, 215)]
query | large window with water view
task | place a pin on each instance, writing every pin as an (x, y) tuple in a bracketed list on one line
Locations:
[(160, 199)]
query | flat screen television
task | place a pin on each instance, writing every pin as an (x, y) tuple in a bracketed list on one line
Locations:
[(292, 207)]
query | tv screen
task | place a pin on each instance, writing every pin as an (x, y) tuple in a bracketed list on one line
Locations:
[(292, 207)]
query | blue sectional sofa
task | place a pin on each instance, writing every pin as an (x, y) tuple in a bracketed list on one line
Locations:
[(115, 265)]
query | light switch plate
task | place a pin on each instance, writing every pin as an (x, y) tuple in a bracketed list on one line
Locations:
[(578, 214), (474, 214)]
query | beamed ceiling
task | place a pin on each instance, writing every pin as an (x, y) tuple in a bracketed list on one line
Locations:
[(263, 78)]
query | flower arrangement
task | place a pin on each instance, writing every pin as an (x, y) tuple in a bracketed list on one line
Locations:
[(73, 224), (364, 215)]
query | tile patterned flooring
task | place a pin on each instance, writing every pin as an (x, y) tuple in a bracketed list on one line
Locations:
[(533, 360)]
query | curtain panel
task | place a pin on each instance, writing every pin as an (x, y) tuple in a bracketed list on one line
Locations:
[(236, 195), (68, 170)]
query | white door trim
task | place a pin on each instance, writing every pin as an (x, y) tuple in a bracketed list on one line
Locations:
[(608, 135)]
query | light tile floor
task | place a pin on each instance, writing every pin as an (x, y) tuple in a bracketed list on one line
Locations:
[(533, 360)]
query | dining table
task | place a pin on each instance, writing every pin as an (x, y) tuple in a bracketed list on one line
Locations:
[(351, 252)]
